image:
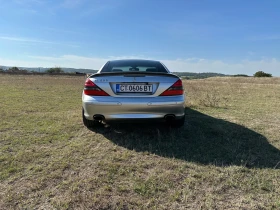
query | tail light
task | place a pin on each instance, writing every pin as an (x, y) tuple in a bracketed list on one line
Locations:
[(92, 89), (175, 89)]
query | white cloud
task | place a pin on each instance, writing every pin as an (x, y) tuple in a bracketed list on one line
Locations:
[(28, 40), (248, 67), (21, 39), (60, 31), (71, 61)]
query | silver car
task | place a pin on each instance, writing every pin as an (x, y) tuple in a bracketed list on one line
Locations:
[(133, 90)]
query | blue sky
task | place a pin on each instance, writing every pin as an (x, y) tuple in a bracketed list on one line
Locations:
[(224, 36)]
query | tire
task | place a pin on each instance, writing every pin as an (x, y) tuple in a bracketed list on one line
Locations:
[(89, 123), (179, 123)]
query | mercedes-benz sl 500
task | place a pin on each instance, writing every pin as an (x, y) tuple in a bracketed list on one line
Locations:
[(133, 90)]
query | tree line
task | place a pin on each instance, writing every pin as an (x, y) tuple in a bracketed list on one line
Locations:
[(54, 70), (186, 75)]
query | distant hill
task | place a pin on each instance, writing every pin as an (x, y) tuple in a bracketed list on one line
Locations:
[(42, 69), (184, 75), (190, 75)]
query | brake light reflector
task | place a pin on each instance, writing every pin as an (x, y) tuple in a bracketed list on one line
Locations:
[(175, 89), (92, 89)]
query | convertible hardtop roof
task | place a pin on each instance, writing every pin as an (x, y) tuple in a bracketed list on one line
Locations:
[(137, 64), (134, 60)]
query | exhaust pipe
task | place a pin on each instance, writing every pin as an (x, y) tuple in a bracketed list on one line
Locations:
[(98, 117)]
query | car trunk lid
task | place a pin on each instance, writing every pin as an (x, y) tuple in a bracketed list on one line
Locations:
[(131, 84)]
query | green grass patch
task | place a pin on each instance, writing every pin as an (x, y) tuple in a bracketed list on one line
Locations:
[(227, 156)]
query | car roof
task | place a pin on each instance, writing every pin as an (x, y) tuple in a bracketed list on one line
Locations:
[(133, 60)]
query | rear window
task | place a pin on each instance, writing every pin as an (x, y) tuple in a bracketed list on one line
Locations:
[(134, 66)]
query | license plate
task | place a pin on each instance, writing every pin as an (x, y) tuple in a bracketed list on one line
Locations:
[(134, 88)]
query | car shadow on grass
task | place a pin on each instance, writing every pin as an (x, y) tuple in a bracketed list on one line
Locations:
[(203, 139)]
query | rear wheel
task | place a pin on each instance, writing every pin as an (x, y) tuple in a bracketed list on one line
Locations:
[(89, 123), (179, 123)]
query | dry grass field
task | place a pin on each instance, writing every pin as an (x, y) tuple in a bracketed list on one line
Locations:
[(227, 156)]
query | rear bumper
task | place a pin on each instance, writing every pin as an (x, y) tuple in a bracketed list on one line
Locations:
[(130, 108)]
